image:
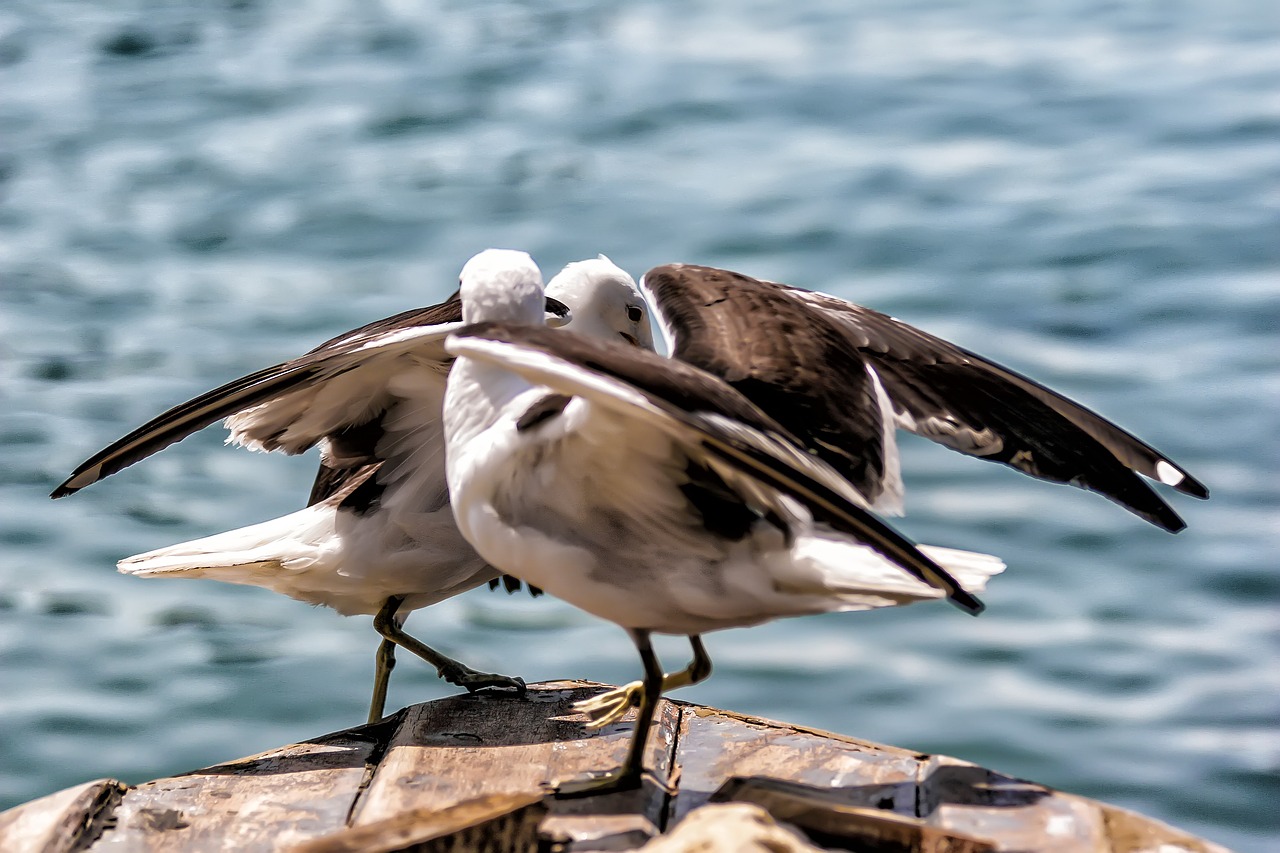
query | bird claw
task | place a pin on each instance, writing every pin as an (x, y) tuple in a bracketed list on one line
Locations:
[(472, 680), (612, 705)]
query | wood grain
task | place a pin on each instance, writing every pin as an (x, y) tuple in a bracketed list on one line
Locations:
[(455, 749), (473, 772), (61, 822), (264, 802)]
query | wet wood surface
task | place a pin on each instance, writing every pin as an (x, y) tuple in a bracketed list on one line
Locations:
[(472, 772)]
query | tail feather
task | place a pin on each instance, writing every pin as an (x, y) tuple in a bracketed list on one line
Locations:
[(861, 578), (244, 555)]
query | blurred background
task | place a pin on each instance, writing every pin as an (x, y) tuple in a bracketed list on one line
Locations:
[(1086, 191)]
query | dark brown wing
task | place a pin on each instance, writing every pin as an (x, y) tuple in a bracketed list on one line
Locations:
[(774, 350), (940, 391)]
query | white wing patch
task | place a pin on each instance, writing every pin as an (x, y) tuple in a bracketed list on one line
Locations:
[(1167, 474), (890, 499)]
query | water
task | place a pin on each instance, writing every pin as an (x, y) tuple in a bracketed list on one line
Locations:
[(1089, 192)]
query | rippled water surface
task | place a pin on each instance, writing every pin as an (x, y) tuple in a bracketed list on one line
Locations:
[(1089, 192)]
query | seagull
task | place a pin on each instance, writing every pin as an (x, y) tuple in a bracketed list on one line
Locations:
[(377, 536), (652, 494), (844, 379)]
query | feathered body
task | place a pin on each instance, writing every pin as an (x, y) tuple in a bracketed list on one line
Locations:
[(569, 476), (379, 522)]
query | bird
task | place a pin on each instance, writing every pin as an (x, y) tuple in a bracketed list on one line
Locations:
[(844, 378), (377, 536), (650, 493)]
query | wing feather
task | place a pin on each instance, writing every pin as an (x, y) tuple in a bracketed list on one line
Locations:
[(707, 417), (263, 406), (802, 356)]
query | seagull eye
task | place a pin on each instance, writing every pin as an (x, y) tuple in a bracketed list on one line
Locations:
[(634, 313)]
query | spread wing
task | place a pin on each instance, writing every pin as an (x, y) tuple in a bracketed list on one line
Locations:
[(720, 429), (340, 385), (336, 393), (938, 390), (766, 345)]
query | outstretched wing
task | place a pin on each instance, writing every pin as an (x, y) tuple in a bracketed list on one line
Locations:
[(290, 406), (718, 426), (332, 393), (938, 390)]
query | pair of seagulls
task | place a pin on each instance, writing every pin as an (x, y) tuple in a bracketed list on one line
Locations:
[(730, 484)]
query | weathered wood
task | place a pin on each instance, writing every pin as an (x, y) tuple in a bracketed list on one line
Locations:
[(501, 823), (470, 773), (828, 821), (731, 828), (717, 745), (61, 822), (1130, 832), (1019, 815), (454, 749), (264, 802)]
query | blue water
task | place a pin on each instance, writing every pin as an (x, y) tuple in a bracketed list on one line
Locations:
[(1087, 191)]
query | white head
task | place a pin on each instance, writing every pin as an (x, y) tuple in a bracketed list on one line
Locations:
[(604, 302), (502, 285)]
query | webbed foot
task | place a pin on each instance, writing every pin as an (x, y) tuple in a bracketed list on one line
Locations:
[(612, 705)]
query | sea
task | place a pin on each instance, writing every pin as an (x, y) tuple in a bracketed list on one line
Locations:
[(1086, 191)]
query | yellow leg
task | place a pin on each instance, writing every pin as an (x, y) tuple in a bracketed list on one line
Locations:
[(612, 705)]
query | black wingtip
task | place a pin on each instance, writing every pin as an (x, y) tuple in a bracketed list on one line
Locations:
[(1164, 517), (62, 491), (85, 475), (967, 602), (1193, 487)]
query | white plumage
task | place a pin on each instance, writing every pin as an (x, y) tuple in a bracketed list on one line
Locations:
[(649, 493), (589, 507), (379, 536)]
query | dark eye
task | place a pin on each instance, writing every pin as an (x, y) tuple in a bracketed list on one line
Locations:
[(634, 313)]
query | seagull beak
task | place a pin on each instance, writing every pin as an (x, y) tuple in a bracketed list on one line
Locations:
[(629, 339), (560, 315)]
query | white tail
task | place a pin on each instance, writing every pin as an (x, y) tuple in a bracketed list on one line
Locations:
[(861, 578), (248, 555)]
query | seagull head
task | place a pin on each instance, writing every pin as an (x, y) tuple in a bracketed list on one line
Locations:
[(604, 301), (502, 285)]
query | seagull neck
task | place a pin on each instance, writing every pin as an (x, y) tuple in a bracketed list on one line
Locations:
[(476, 395)]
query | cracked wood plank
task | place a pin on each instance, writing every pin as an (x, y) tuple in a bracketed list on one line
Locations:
[(1015, 814), (61, 822), (716, 745), (400, 778), (462, 747), (822, 816), (508, 823), (263, 802)]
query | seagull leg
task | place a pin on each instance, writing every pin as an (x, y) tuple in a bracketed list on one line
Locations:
[(386, 624), (386, 661), (629, 776), (612, 705)]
